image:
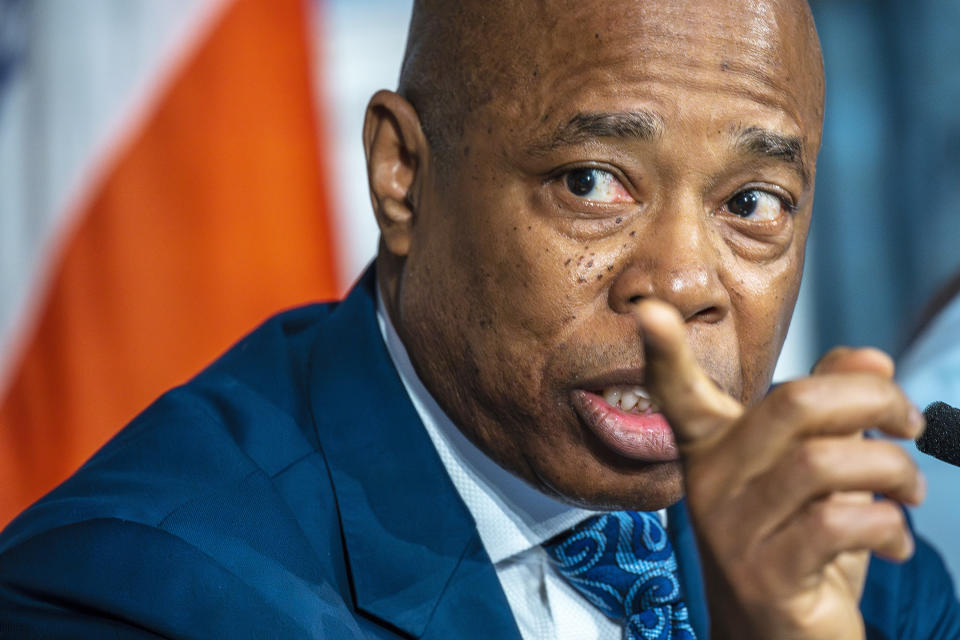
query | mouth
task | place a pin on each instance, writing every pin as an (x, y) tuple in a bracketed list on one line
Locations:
[(627, 421)]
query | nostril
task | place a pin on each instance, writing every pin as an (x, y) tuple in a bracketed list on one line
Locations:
[(636, 299), (709, 315)]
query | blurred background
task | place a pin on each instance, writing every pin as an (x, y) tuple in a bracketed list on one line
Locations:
[(174, 171)]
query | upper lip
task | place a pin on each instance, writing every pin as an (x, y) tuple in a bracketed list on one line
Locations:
[(628, 376)]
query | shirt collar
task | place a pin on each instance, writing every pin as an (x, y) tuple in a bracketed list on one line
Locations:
[(511, 516)]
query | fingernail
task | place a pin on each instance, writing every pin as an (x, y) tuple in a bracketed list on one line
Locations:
[(917, 422)]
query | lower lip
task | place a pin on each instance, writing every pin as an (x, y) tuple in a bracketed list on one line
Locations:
[(645, 437)]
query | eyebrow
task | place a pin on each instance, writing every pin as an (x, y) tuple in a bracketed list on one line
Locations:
[(583, 127), (769, 144)]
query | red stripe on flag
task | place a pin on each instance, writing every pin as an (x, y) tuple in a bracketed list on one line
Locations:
[(215, 216)]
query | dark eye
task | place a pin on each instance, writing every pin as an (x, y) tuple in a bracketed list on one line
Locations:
[(755, 205), (581, 181), (595, 185)]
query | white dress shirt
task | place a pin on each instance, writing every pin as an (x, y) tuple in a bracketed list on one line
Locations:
[(512, 518)]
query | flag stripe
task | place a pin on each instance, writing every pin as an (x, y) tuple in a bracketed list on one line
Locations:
[(215, 215)]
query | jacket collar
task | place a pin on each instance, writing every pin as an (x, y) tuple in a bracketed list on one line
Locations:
[(415, 558)]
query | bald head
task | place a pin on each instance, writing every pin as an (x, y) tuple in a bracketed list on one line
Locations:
[(460, 56)]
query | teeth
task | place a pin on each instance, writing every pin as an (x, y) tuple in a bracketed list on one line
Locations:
[(612, 396), (632, 398)]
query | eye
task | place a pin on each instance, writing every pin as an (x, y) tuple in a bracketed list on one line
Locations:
[(596, 185), (755, 204)]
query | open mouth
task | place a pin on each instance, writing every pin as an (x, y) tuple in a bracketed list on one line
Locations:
[(629, 399), (627, 421)]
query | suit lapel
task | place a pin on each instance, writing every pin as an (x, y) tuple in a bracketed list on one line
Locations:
[(415, 557)]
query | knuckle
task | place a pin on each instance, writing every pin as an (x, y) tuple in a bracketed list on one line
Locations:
[(812, 459), (827, 519), (832, 356), (795, 395)]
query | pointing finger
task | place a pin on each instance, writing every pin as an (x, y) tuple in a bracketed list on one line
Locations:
[(691, 402)]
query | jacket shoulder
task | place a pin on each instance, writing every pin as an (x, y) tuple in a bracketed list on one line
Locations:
[(220, 484), (246, 414)]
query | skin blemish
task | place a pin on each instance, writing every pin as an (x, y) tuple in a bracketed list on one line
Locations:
[(581, 279), (589, 264), (466, 151), (633, 234), (619, 220), (724, 65), (567, 263), (599, 276), (609, 267)]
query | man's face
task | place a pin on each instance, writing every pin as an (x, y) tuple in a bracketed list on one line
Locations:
[(655, 149)]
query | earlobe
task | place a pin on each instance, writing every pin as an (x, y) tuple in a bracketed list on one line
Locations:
[(396, 153)]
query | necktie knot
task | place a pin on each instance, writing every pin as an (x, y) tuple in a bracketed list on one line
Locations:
[(624, 564)]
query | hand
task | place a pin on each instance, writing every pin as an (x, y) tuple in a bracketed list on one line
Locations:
[(781, 493)]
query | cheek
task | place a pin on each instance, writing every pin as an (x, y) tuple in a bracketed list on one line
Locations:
[(763, 298)]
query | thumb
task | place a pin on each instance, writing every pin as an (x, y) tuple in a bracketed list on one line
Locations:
[(693, 405)]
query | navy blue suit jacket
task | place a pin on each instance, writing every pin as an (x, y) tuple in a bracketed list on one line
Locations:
[(290, 491)]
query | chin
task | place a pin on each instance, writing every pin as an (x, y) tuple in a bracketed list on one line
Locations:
[(627, 486)]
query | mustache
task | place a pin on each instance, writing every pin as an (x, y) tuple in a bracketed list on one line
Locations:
[(580, 360)]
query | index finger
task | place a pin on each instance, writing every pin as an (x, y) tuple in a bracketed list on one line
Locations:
[(693, 405)]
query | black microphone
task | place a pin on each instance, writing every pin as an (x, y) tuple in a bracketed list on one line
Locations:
[(941, 439)]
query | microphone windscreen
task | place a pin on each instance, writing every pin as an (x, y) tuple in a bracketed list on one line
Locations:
[(941, 439)]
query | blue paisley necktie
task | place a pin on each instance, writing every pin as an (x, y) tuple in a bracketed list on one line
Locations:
[(624, 564)]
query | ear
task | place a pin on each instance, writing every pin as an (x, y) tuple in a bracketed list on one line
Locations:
[(397, 151)]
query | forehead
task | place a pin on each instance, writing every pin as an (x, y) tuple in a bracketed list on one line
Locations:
[(596, 52)]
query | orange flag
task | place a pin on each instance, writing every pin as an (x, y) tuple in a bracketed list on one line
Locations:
[(215, 215)]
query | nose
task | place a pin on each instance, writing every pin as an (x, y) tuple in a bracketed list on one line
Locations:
[(676, 258)]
